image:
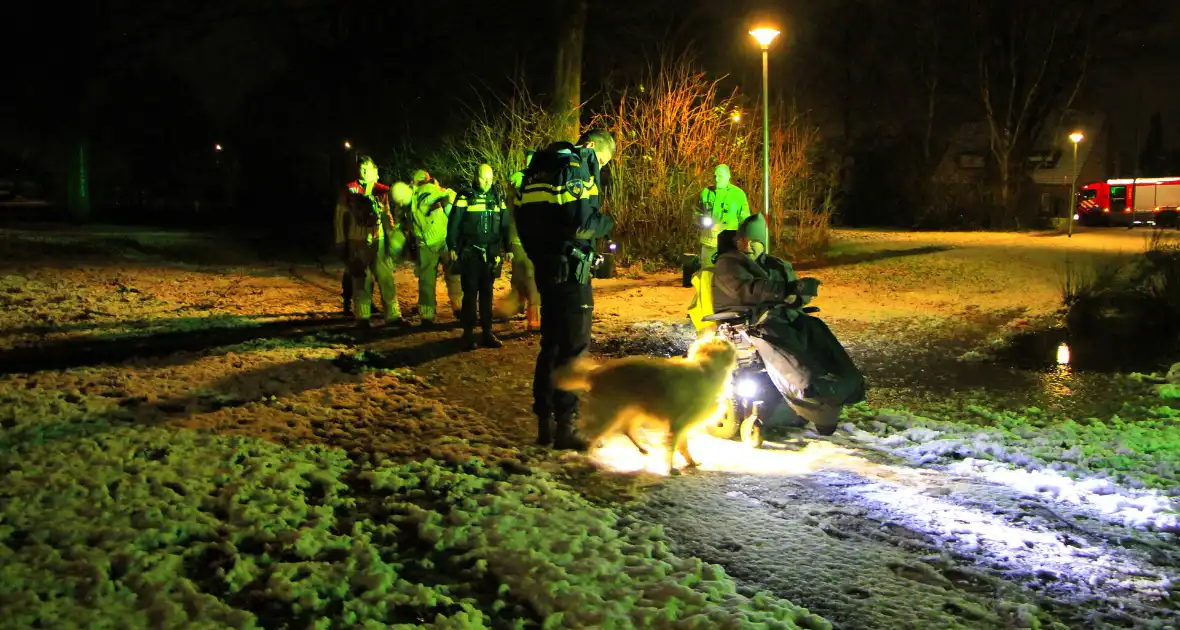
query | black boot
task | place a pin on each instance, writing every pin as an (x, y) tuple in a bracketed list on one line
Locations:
[(468, 342), (568, 437), (490, 340), (544, 431)]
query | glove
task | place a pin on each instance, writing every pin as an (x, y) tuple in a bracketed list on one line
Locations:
[(508, 257), (454, 256), (807, 286)]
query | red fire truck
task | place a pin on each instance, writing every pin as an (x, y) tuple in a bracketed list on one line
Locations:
[(1130, 202)]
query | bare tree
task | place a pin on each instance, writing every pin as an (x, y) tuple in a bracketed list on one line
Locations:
[(1031, 59)]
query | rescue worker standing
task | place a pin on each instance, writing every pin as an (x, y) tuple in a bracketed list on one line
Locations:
[(343, 225), (723, 206), (374, 241), (524, 295), (478, 237), (558, 213), (430, 209)]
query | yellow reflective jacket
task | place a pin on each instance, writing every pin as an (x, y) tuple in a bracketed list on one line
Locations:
[(430, 206), (728, 207)]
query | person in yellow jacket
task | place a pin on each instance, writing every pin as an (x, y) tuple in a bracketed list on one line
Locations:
[(430, 208), (524, 295), (723, 206)]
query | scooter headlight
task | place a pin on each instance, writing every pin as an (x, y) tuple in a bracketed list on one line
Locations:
[(747, 388)]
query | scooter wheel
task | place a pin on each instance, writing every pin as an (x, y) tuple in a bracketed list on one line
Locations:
[(726, 427), (752, 432)]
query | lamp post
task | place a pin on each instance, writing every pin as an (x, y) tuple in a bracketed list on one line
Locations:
[(1075, 138), (764, 37)]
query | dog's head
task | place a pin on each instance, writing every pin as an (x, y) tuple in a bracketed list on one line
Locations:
[(715, 351)]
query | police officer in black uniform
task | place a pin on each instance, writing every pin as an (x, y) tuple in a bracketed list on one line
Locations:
[(478, 237), (558, 219)]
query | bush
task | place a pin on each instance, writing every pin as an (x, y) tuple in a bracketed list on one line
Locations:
[(1131, 298), (498, 134), (671, 129)]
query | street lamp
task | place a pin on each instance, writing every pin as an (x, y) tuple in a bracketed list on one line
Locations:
[(1075, 138), (347, 145), (737, 115), (217, 147), (764, 36)]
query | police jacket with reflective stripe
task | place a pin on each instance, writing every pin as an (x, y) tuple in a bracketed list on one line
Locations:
[(479, 218), (559, 203)]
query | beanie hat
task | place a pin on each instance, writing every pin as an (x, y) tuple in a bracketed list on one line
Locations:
[(754, 228)]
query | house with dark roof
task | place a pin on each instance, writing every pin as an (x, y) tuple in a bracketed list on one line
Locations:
[(1050, 163)]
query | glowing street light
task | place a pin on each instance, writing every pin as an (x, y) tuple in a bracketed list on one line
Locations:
[(217, 147), (1075, 137), (737, 115), (347, 145), (764, 36)]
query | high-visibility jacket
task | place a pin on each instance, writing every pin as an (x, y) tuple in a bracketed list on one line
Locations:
[(727, 206), (430, 207)]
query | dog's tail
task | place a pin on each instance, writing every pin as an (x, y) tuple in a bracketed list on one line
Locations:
[(575, 375)]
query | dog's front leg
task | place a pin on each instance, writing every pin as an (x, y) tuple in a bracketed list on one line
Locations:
[(682, 446)]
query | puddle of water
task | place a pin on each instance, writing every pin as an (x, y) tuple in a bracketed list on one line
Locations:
[(1032, 371), (1044, 350)]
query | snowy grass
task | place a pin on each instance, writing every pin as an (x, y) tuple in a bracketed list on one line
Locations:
[(1126, 466), (135, 527)]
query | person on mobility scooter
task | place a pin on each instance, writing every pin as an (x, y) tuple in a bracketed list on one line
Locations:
[(759, 301)]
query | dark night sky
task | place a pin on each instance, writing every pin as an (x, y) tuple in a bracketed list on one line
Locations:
[(183, 75)]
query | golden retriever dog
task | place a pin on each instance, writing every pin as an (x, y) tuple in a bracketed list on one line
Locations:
[(678, 393)]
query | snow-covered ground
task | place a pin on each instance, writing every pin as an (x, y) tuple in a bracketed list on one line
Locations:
[(187, 436)]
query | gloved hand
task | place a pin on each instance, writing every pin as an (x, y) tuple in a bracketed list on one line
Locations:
[(517, 179), (807, 286), (508, 257)]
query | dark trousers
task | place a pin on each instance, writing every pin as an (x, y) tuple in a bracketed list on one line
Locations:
[(475, 276), (346, 280), (567, 312)]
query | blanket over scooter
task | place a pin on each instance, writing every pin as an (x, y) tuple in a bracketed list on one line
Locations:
[(805, 360)]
